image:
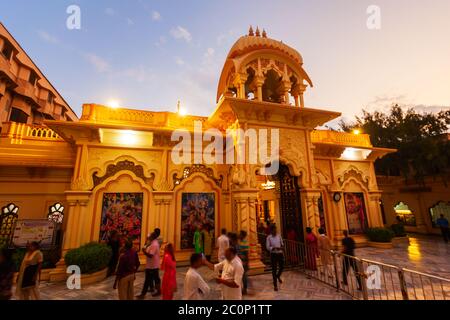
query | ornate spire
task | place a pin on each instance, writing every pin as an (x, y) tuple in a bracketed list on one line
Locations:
[(264, 33), (250, 31), (257, 33)]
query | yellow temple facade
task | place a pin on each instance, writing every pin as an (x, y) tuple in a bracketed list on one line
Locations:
[(118, 161)]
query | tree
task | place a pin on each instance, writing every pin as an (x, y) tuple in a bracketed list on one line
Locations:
[(420, 138)]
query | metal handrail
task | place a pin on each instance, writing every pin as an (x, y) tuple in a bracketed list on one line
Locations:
[(363, 278)]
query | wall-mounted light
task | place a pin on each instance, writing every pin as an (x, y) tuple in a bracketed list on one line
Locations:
[(113, 104)]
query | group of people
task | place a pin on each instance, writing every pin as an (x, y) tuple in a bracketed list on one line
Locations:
[(232, 267), (27, 285), (315, 247)]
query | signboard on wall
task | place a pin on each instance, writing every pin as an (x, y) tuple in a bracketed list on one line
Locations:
[(26, 231)]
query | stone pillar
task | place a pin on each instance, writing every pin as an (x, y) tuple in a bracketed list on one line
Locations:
[(374, 210), (310, 203), (75, 233), (302, 89), (245, 204), (420, 222), (162, 210)]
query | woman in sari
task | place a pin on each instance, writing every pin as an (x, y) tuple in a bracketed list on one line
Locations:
[(169, 281), (30, 269), (312, 251)]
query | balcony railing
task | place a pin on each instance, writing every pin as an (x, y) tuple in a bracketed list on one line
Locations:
[(341, 138), (19, 132)]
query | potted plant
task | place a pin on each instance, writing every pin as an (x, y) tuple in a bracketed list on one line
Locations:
[(380, 237), (93, 259)]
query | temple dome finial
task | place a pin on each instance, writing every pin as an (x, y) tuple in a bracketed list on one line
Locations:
[(264, 33), (250, 31), (257, 33)]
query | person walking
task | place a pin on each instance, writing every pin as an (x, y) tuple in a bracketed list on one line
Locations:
[(198, 241), (7, 269), (442, 223), (207, 241), (169, 281), (243, 254), (152, 279), (232, 272), (195, 288), (127, 267), (324, 245), (311, 250), (223, 242), (274, 244), (348, 262), (114, 244), (29, 273)]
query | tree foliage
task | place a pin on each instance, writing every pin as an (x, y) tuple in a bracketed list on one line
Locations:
[(420, 138)]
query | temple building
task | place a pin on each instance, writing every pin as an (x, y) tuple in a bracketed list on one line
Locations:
[(113, 169)]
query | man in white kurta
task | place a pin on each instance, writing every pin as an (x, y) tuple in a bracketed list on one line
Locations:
[(232, 273), (195, 288)]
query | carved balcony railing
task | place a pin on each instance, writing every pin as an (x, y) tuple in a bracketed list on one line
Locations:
[(341, 138), (20, 132)]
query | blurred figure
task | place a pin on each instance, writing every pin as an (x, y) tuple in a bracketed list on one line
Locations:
[(222, 244), (114, 244), (127, 266), (243, 253), (324, 245), (311, 250), (7, 270), (348, 251), (274, 244), (169, 281), (157, 233), (207, 241), (152, 279), (198, 240), (195, 288), (442, 223), (29, 273), (231, 276)]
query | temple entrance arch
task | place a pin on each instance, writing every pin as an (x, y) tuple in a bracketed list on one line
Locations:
[(281, 203)]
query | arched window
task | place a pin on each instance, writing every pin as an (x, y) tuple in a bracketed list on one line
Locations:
[(405, 214), (56, 213), (271, 87), (8, 218), (436, 211)]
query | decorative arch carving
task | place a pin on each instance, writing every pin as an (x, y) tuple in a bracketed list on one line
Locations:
[(197, 168), (356, 174), (124, 165)]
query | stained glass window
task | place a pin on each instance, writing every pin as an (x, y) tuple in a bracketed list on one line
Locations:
[(56, 213)]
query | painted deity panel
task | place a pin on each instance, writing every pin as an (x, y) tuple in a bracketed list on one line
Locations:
[(197, 211), (356, 212), (122, 212)]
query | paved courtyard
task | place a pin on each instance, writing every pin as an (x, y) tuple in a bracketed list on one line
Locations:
[(425, 254), (295, 287)]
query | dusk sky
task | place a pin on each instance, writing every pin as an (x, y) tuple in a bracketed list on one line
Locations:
[(149, 54)]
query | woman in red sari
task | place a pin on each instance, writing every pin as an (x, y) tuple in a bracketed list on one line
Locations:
[(169, 281), (312, 251)]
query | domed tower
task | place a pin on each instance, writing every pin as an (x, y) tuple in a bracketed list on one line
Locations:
[(263, 69)]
